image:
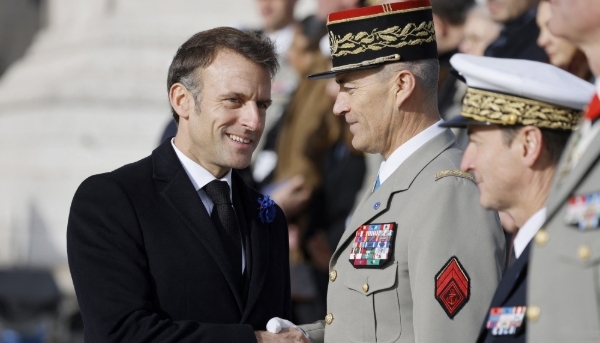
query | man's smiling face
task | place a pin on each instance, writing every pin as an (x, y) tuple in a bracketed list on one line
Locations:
[(229, 116)]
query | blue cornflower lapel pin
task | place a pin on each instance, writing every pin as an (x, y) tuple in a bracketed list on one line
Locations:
[(266, 211)]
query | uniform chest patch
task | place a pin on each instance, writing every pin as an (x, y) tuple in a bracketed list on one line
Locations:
[(373, 245), (583, 211), (505, 320), (452, 287)]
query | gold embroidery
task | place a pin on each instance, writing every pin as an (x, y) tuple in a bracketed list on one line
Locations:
[(378, 60), (504, 109), (393, 37), (458, 173)]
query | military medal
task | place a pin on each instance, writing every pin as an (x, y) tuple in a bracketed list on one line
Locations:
[(373, 245), (505, 320), (583, 211)]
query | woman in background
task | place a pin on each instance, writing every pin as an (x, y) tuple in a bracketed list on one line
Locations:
[(561, 52)]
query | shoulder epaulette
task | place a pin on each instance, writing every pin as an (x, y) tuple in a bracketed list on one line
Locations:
[(458, 173)]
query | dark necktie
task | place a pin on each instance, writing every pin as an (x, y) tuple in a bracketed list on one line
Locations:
[(224, 218)]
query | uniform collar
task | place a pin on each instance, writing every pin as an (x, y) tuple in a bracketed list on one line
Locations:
[(404, 151), (528, 230), (199, 176)]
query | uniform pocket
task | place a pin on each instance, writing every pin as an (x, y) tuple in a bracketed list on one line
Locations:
[(376, 314), (583, 252)]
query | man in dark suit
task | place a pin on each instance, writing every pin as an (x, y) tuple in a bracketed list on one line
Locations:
[(176, 247), (519, 115), (518, 38)]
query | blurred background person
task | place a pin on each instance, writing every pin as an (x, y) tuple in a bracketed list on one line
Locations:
[(479, 31), (519, 35), (449, 19), (560, 51)]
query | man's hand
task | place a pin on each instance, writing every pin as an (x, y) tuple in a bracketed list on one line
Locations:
[(291, 335)]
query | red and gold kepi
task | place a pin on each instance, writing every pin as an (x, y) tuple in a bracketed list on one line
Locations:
[(371, 36)]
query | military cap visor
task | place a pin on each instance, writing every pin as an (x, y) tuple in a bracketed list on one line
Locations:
[(370, 37)]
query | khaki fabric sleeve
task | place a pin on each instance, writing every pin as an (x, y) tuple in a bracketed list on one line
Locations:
[(316, 331), (453, 225)]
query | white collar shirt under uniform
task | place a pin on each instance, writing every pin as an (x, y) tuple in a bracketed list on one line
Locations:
[(528, 231), (200, 177), (389, 166)]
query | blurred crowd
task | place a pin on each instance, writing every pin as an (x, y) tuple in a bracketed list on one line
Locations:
[(306, 162)]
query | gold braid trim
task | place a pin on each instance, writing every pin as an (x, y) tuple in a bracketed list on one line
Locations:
[(378, 60), (501, 109), (393, 37), (458, 173)]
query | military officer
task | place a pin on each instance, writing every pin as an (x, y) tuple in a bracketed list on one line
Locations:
[(420, 259), (564, 286), (519, 115)]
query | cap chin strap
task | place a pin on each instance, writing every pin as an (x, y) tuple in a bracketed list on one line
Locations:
[(378, 60)]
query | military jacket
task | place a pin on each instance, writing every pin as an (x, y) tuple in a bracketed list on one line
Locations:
[(505, 320), (437, 279), (564, 276)]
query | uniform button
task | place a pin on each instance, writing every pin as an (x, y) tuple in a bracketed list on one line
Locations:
[(541, 238), (329, 318), (332, 275), (365, 287), (533, 313), (584, 252)]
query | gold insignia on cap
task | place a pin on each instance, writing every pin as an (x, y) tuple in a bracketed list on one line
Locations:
[(393, 37), (458, 173), (502, 109)]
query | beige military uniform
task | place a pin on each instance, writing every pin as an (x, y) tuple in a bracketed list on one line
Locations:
[(439, 220), (564, 275)]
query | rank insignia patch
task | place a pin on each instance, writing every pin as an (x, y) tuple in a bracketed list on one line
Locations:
[(505, 320), (373, 245), (583, 211), (452, 287)]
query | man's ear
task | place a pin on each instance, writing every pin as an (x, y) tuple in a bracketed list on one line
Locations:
[(532, 142), (404, 86), (181, 100)]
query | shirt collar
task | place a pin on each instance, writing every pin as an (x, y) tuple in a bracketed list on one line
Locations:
[(598, 86), (528, 230), (200, 177), (404, 151)]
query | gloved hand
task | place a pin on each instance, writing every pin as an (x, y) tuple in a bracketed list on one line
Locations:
[(276, 324)]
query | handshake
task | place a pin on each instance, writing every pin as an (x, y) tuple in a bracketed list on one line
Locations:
[(281, 331)]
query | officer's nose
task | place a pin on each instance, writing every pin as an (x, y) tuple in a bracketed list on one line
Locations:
[(341, 106), (466, 164)]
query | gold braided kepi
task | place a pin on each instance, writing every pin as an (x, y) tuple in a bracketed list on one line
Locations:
[(371, 36)]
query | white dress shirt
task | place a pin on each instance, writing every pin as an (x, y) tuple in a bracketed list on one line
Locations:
[(528, 231), (389, 166), (200, 177), (598, 86)]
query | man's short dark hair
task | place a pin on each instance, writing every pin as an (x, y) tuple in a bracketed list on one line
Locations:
[(452, 11), (554, 141), (200, 50)]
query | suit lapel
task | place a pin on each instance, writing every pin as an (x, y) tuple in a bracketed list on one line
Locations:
[(183, 198), (377, 203), (573, 178), (512, 278), (259, 241)]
